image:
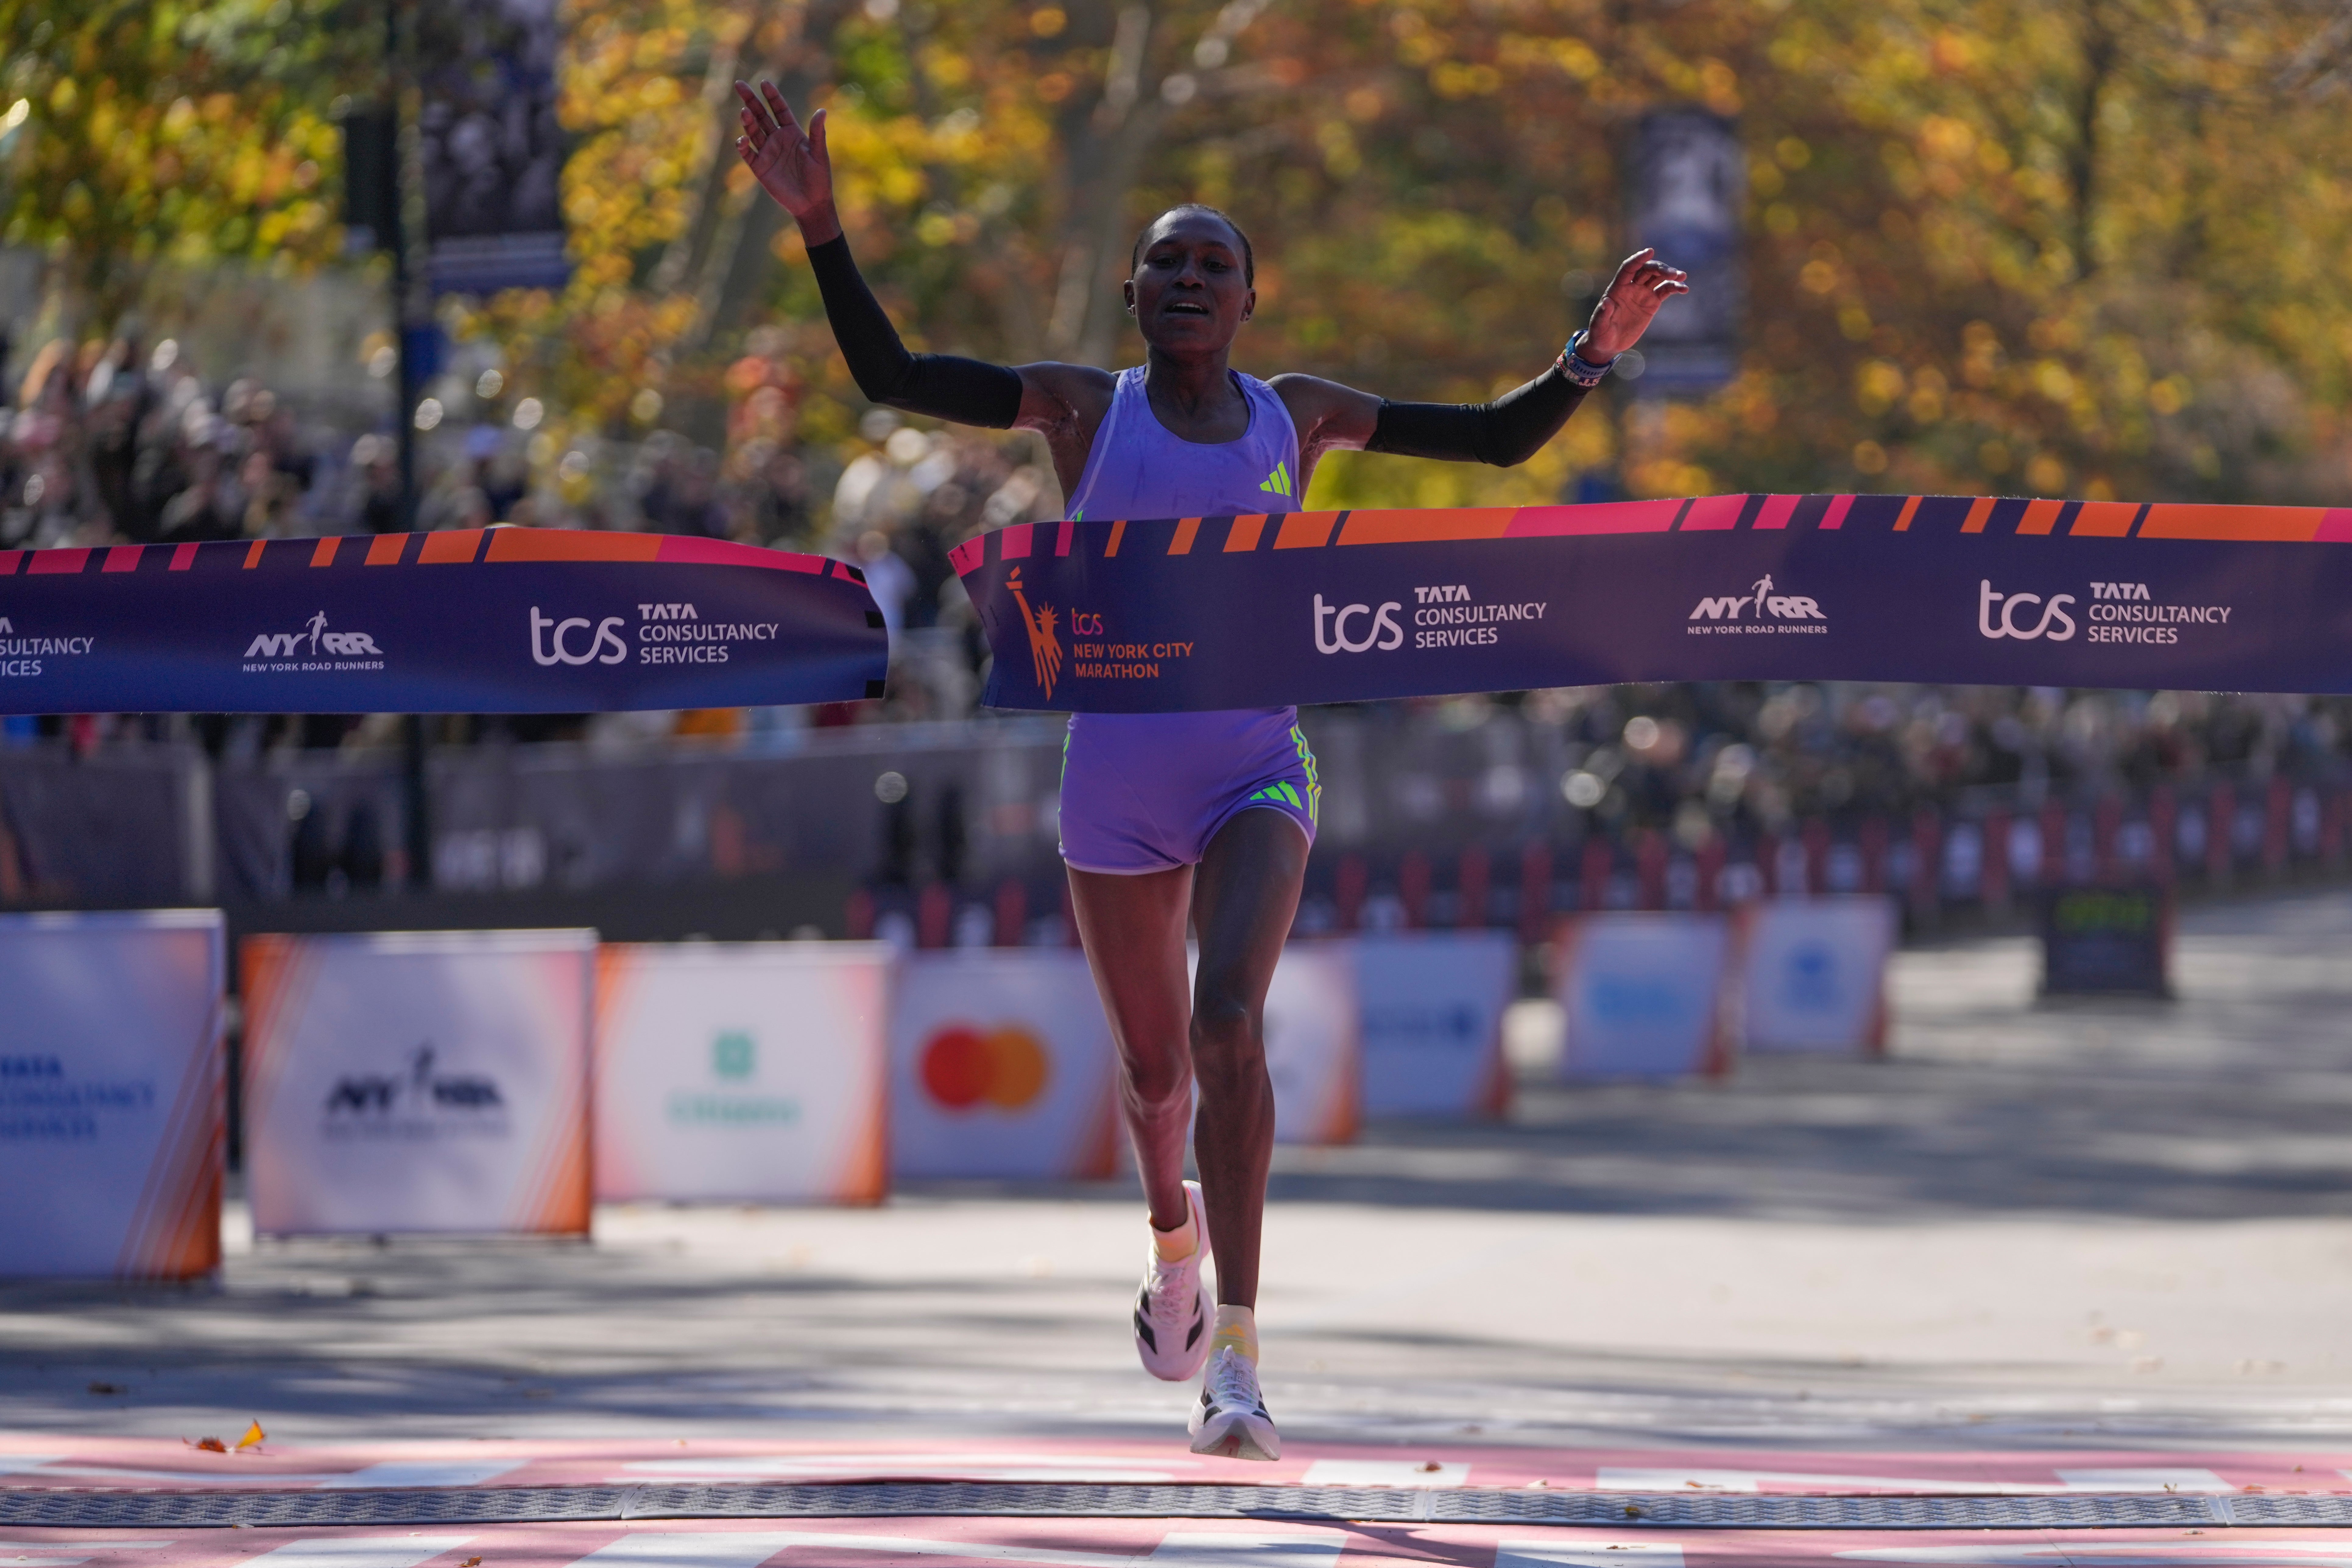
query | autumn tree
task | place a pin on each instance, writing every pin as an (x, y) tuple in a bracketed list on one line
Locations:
[(139, 132), (2086, 246)]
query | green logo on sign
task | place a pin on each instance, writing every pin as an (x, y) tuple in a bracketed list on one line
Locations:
[(732, 1054)]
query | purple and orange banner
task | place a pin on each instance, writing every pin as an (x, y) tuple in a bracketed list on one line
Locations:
[(501, 620), (1187, 614)]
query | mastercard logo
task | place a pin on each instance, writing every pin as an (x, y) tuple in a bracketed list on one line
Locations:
[(962, 1067)]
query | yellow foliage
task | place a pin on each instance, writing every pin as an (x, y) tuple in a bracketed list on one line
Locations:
[(1976, 255)]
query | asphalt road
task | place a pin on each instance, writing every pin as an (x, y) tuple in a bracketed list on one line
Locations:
[(2120, 1224)]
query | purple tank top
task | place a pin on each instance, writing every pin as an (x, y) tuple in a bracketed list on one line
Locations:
[(1137, 468)]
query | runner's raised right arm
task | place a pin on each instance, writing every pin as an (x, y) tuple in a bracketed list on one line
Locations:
[(793, 167)]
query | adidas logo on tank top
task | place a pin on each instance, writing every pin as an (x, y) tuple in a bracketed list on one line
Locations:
[(1137, 468)]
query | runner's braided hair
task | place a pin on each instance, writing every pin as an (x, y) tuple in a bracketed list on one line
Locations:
[(1188, 209)]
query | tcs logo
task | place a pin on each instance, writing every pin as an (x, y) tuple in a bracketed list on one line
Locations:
[(600, 644), (962, 1067), (2054, 622), (1382, 632), (1086, 623)]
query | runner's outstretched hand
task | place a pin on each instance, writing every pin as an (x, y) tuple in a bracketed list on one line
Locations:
[(789, 164), (1632, 300)]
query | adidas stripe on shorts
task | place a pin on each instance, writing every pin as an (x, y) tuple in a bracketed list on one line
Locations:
[(1147, 791)]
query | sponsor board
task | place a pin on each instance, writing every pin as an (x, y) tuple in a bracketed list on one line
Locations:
[(113, 1119), (1000, 1065), (1173, 615), (1643, 994), (1431, 1005), (1812, 974), (741, 1072), (418, 1082), (2106, 940)]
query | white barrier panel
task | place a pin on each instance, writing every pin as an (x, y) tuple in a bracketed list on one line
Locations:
[(1431, 1007), (418, 1081), (749, 1072), (112, 1114), (1814, 974), (1314, 1043), (1000, 1065), (1643, 994)]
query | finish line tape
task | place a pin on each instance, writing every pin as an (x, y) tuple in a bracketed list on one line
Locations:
[(503, 620), (1189, 614)]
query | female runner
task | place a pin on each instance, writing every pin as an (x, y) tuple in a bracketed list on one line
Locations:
[(1167, 817)]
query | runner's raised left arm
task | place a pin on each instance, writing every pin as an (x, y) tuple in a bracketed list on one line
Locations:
[(1508, 430)]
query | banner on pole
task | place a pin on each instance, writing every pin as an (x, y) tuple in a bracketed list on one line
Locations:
[(1001, 1065), (1431, 1007), (491, 147), (748, 1072), (114, 1121), (502, 620), (1686, 187), (1643, 994), (418, 1082), (1812, 974), (1209, 613)]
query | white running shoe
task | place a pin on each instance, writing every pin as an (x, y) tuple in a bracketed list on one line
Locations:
[(1173, 1312), (1230, 1420)]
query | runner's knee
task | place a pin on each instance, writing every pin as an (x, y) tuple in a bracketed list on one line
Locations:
[(1226, 1042), (1156, 1084)]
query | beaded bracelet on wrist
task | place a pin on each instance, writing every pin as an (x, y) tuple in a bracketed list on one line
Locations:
[(1580, 370)]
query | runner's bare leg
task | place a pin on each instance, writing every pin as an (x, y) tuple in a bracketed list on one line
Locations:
[(1133, 931), (1242, 900)]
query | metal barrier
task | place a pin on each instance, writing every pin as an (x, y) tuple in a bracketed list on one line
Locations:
[(1452, 815)]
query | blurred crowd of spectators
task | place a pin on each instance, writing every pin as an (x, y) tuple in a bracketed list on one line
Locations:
[(113, 443), (1739, 759)]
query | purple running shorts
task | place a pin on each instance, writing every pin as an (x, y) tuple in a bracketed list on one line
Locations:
[(1145, 792)]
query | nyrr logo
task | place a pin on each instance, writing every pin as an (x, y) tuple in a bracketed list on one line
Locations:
[(422, 1091), (289, 645), (605, 647), (1384, 634), (1764, 602), (1044, 642), (2054, 623)]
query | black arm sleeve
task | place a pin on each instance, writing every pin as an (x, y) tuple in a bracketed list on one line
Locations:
[(1505, 432), (944, 386)]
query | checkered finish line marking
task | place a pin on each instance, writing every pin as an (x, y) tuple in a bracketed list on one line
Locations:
[(1529, 1506)]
